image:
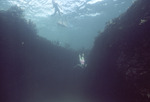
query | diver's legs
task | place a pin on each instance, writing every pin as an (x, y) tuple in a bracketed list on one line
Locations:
[(59, 12)]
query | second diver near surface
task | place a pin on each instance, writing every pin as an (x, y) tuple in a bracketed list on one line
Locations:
[(60, 22), (56, 7)]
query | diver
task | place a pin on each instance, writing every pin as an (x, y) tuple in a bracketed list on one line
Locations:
[(61, 22), (56, 7), (82, 61)]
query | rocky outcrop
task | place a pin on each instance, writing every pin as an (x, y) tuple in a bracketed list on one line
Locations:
[(31, 67), (119, 62)]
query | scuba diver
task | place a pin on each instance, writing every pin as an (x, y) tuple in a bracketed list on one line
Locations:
[(82, 61), (56, 6)]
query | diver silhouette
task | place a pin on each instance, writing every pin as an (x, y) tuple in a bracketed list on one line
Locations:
[(61, 22), (56, 7)]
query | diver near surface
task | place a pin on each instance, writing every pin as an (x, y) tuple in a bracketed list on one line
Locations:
[(60, 22), (56, 7)]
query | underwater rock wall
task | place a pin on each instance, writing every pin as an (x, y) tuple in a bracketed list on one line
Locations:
[(118, 67), (31, 67)]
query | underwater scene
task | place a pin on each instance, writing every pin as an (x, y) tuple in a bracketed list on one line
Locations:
[(75, 50)]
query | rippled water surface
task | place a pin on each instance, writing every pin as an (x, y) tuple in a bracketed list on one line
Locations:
[(83, 19)]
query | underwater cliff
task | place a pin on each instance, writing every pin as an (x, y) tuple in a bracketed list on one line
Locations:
[(118, 68), (31, 67)]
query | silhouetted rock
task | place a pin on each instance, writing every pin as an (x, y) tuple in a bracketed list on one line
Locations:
[(119, 62), (31, 67)]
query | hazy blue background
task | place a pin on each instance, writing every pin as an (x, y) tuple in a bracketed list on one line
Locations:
[(84, 18)]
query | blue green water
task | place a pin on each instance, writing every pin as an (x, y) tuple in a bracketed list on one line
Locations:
[(83, 19)]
